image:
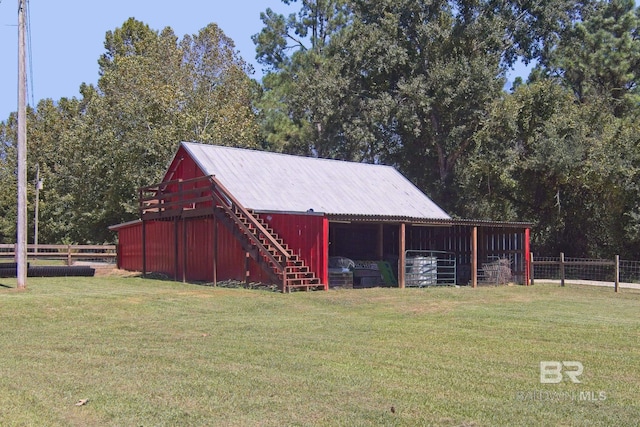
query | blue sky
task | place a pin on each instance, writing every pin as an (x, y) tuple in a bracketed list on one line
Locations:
[(67, 37)]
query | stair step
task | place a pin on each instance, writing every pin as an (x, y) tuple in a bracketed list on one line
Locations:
[(264, 241), (301, 275), (306, 286), (303, 281), (296, 274), (297, 269)]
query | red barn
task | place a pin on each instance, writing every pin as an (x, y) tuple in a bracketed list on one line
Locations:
[(225, 213)]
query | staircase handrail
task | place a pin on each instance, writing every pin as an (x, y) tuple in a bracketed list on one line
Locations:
[(217, 185)]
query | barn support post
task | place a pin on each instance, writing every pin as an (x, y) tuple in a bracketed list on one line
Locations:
[(144, 248), (402, 259), (184, 250), (474, 257), (215, 251), (325, 251), (176, 255)]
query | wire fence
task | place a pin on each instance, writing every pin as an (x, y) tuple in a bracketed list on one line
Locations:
[(595, 270)]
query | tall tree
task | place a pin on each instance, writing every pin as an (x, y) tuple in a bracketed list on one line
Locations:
[(94, 152), (598, 58), (569, 167), (217, 91), (290, 48), (402, 82), (153, 93), (405, 82)]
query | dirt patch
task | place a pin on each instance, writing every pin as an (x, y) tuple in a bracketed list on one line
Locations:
[(114, 272)]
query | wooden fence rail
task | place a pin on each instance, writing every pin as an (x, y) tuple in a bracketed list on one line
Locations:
[(63, 252), (561, 263)]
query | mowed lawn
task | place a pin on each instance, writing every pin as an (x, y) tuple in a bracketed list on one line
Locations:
[(158, 353)]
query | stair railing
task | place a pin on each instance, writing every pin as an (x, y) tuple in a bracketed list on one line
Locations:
[(230, 204)]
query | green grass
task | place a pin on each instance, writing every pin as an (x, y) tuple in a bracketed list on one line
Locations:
[(154, 353)]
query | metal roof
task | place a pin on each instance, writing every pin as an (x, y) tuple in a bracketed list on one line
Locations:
[(429, 221), (266, 181)]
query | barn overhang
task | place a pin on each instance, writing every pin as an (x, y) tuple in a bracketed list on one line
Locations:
[(437, 222), (473, 243)]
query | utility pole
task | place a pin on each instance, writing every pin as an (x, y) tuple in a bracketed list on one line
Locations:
[(21, 242)]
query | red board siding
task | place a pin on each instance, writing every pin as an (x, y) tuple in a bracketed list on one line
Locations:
[(182, 167), (130, 247), (307, 236), (165, 241)]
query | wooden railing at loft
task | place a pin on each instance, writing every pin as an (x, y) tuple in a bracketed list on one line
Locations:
[(172, 199)]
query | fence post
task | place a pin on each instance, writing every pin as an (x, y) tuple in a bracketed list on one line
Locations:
[(531, 269), (561, 268), (617, 273), (68, 254)]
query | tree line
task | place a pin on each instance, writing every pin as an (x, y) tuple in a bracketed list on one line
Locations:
[(413, 84)]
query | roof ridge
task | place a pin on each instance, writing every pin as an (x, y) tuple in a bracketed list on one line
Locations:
[(276, 153)]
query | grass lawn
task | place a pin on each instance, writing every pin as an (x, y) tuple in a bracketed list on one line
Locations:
[(155, 353)]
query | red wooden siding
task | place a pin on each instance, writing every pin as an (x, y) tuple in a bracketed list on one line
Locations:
[(165, 242), (130, 247), (307, 236), (182, 167)]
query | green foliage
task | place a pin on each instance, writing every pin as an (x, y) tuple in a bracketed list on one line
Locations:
[(9, 180), (599, 58), (153, 92), (569, 167), (563, 150), (401, 82), (418, 85), (291, 48)]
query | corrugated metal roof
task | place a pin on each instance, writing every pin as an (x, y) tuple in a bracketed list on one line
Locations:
[(267, 181), (429, 221)]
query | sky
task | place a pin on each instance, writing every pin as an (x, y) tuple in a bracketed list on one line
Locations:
[(67, 37)]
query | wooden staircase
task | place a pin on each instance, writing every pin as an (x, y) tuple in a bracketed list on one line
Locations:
[(263, 243), (258, 239), (272, 253)]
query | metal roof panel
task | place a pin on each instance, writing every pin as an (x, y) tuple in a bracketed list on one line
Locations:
[(269, 181)]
